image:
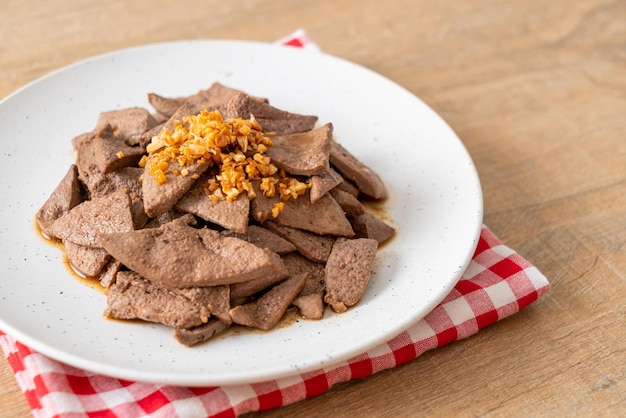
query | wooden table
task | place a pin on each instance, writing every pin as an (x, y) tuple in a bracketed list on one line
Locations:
[(535, 89)]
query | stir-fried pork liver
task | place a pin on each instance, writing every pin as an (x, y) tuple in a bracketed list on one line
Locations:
[(65, 196), (305, 153), (112, 152), (265, 312), (348, 271), (364, 177), (310, 306), (270, 118), (185, 109), (125, 178), (87, 261), (132, 297), (314, 247), (324, 217), (109, 273), (323, 183), (231, 215), (216, 299), (169, 253), (369, 226), (85, 156), (241, 292), (264, 238), (87, 222), (216, 97), (296, 264), (350, 204), (127, 124), (178, 255), (348, 187), (310, 302), (196, 335), (159, 198), (164, 106)]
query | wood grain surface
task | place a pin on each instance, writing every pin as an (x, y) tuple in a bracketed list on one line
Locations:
[(535, 89)]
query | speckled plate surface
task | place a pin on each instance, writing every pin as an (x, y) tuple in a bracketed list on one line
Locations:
[(435, 203)]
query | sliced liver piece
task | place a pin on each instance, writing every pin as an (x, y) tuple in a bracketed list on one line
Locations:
[(132, 297), (266, 312), (184, 110), (159, 198), (369, 226), (365, 178), (270, 118), (128, 124), (125, 178), (324, 217), (323, 183), (98, 183), (304, 153), (250, 262), (216, 97), (309, 301), (231, 215), (310, 306), (164, 106), (264, 238), (297, 264), (249, 288), (85, 157), (216, 299), (86, 261), (348, 187), (314, 247), (87, 222), (177, 255), (81, 139), (109, 273), (350, 204), (164, 218), (196, 335), (348, 271), (112, 152), (65, 196)]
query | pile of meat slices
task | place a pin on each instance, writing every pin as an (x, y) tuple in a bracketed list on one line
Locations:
[(169, 254)]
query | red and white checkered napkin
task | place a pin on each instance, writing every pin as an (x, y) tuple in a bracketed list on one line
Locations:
[(497, 283)]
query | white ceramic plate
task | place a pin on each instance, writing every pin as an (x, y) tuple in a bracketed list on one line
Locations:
[(435, 203)]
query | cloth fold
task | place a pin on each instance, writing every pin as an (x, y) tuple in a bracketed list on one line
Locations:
[(497, 283)]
